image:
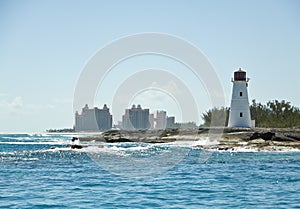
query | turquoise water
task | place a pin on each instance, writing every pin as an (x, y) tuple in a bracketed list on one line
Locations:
[(38, 171)]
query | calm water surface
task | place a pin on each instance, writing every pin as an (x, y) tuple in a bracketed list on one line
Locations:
[(38, 171)]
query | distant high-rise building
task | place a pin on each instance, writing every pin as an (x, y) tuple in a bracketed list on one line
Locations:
[(151, 120), (93, 119), (136, 118), (161, 119), (104, 118), (170, 122)]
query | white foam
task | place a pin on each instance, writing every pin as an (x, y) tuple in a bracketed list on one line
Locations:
[(205, 141), (34, 143), (3, 159), (56, 149), (255, 149)]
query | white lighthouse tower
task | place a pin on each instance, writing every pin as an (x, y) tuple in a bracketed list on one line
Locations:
[(239, 109)]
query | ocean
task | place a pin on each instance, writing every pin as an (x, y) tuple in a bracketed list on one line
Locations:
[(40, 171)]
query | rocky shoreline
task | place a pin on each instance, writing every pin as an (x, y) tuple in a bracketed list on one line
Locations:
[(260, 139), (232, 139)]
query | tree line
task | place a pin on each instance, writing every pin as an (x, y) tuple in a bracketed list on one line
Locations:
[(273, 114)]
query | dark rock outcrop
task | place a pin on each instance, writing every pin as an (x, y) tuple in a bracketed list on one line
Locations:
[(74, 139), (76, 146), (116, 140), (264, 136)]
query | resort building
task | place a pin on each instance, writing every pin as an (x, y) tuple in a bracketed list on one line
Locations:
[(152, 121), (136, 118), (170, 122), (93, 119), (161, 120)]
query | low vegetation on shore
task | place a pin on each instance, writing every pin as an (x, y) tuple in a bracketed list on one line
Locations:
[(273, 114)]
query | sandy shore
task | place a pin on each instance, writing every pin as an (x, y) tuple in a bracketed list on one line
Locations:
[(227, 139)]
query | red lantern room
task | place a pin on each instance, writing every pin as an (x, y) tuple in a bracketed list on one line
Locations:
[(240, 75)]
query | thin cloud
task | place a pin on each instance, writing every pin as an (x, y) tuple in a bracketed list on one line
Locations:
[(14, 103), (17, 102)]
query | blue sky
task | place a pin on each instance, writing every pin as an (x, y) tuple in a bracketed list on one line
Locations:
[(44, 45)]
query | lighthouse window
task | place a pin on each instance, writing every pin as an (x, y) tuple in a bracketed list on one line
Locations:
[(241, 114), (241, 94)]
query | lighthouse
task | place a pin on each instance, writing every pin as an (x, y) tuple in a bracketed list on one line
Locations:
[(239, 109)]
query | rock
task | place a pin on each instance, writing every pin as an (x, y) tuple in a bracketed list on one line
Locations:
[(258, 141), (283, 138), (161, 140), (203, 130), (294, 137), (223, 148), (232, 138), (76, 146), (264, 136), (74, 139), (169, 132), (116, 140)]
